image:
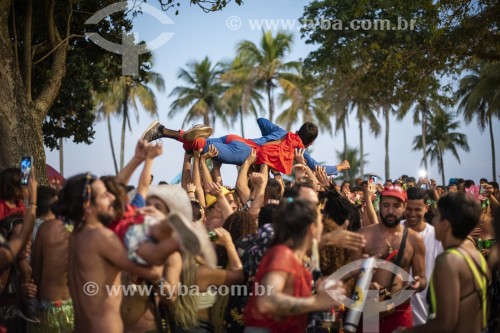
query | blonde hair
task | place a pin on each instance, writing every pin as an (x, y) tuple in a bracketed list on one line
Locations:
[(184, 307)]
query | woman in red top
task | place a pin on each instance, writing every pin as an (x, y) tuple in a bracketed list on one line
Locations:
[(12, 193), (282, 295)]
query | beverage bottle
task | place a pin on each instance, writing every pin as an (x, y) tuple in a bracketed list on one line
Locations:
[(213, 236), (359, 295)]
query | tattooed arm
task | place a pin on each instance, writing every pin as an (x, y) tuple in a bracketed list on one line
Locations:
[(277, 302)]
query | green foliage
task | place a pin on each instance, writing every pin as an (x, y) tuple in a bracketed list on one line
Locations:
[(88, 67), (202, 94), (441, 137), (268, 67)]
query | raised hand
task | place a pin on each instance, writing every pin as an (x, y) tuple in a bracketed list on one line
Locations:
[(197, 153), (224, 238), (299, 156), (140, 150), (154, 150), (211, 153), (214, 189), (252, 157), (322, 176), (190, 187), (256, 178)]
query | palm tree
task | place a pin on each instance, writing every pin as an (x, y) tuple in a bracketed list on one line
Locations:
[(123, 95), (104, 109), (479, 96), (364, 112), (241, 94), (269, 69), (202, 94), (351, 154), (426, 102), (441, 138), (306, 100), (387, 110)]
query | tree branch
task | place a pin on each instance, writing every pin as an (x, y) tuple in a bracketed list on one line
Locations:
[(54, 49), (27, 61), (51, 87), (14, 35)]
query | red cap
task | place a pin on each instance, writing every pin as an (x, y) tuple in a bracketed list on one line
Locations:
[(396, 192)]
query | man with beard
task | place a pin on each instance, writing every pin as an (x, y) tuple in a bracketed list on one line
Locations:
[(385, 240), (416, 208), (96, 255)]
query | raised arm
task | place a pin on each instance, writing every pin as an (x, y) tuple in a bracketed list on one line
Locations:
[(372, 214), (199, 193), (215, 173), (205, 173), (139, 156), (152, 151), (225, 208), (330, 170), (186, 170), (259, 181), (10, 250), (242, 188)]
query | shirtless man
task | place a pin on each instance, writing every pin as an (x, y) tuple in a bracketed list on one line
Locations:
[(50, 272), (384, 239), (96, 255)]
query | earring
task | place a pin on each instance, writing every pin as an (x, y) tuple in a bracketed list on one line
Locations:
[(315, 255)]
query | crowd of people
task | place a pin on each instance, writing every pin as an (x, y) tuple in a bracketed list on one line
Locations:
[(102, 255)]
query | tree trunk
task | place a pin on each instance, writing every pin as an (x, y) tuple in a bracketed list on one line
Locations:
[(441, 162), (424, 136), (124, 128), (21, 119), (344, 131), (113, 154), (61, 156), (20, 127), (387, 166), (361, 150), (206, 119), (241, 123), (493, 160), (271, 102)]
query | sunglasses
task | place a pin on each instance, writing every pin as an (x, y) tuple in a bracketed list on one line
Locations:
[(87, 189)]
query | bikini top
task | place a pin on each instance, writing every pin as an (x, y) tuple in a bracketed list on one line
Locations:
[(480, 280)]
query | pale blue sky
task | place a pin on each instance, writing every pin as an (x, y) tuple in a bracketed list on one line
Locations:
[(197, 35)]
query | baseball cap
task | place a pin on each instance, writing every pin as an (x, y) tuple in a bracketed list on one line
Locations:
[(396, 192)]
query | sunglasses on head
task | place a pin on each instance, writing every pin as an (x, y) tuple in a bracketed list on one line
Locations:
[(87, 189)]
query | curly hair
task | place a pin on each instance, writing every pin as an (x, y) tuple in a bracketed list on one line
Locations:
[(238, 224), (339, 209), (332, 258)]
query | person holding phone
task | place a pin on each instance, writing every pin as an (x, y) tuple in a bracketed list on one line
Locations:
[(12, 194)]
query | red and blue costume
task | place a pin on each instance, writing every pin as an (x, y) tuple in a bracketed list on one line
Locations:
[(275, 148)]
